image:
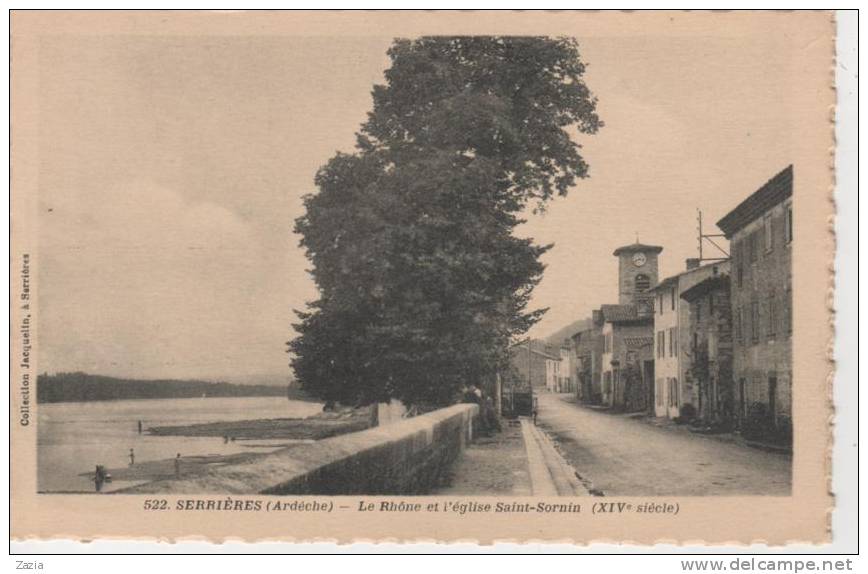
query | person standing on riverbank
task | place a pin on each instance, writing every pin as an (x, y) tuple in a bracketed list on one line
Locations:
[(99, 477), (132, 457)]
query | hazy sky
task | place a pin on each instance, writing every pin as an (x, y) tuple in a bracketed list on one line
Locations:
[(172, 168)]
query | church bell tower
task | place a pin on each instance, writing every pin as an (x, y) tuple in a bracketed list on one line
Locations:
[(637, 272)]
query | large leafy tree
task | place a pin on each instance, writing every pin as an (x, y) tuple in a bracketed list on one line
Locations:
[(422, 281)]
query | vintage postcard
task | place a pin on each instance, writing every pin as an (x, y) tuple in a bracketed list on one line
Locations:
[(422, 276)]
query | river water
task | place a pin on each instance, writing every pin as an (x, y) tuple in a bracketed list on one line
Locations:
[(74, 437)]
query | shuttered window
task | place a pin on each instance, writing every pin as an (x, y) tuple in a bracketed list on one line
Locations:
[(754, 321), (768, 234), (772, 316)]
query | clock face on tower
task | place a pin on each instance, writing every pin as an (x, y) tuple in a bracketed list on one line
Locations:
[(638, 259)]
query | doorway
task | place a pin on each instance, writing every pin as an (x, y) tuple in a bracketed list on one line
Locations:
[(648, 380)]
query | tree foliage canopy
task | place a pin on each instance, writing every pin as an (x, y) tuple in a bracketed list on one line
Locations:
[(422, 283)]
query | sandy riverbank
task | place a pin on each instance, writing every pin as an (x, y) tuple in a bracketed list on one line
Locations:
[(259, 435), (319, 426)]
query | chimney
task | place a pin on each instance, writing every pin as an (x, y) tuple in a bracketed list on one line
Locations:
[(692, 263)]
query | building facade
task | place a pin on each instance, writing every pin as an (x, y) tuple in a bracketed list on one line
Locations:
[(710, 331), (760, 230), (553, 374), (627, 363), (668, 395), (588, 345), (530, 365), (673, 387), (567, 368)]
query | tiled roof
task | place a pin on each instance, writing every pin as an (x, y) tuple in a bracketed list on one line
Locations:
[(546, 355), (522, 347), (666, 283), (616, 313), (637, 247), (638, 342), (673, 280), (703, 287), (775, 190)]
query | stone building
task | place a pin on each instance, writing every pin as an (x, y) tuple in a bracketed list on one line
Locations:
[(637, 272), (626, 365), (588, 345), (553, 373), (760, 230), (627, 358), (673, 388), (566, 373), (710, 336), (531, 362)]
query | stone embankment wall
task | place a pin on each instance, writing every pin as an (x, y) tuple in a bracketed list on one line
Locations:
[(407, 457)]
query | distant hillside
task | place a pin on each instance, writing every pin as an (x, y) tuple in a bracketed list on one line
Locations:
[(558, 336), (69, 387)]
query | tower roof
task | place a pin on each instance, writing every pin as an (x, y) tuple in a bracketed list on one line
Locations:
[(633, 247), (629, 313)]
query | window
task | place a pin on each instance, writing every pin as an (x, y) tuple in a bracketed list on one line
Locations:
[(659, 344), (672, 299), (754, 321), (738, 255), (643, 283), (673, 349), (772, 316), (767, 233), (660, 302), (788, 230), (788, 310), (673, 392), (738, 325), (752, 246), (699, 310)]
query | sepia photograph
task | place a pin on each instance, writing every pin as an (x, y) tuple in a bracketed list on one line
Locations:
[(541, 263)]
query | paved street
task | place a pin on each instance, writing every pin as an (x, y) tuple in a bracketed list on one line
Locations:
[(493, 465), (619, 455), (519, 461)]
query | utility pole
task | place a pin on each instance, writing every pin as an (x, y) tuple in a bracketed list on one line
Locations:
[(710, 238)]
